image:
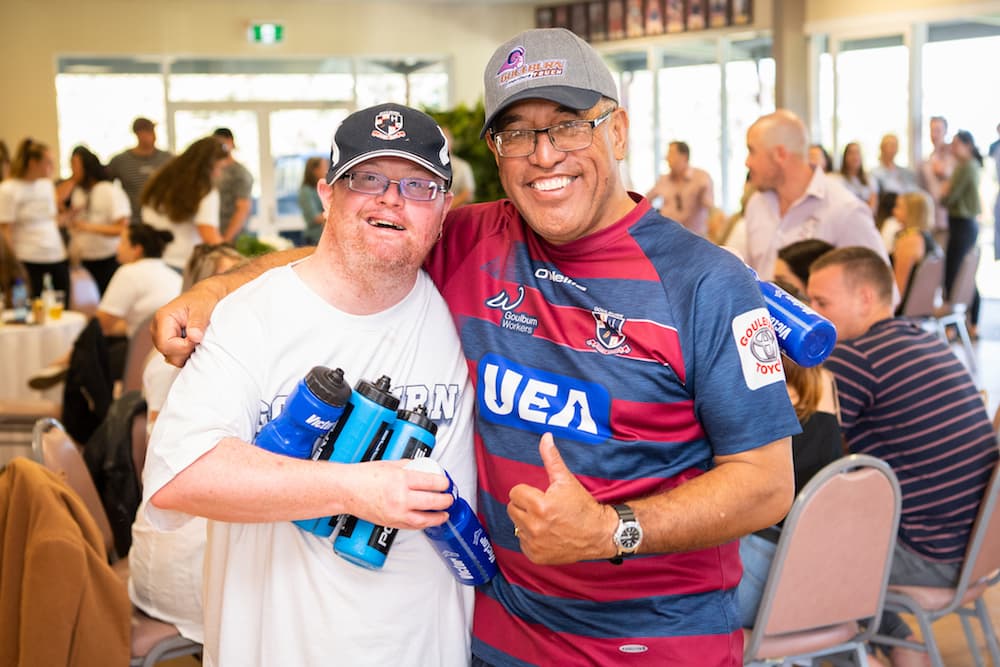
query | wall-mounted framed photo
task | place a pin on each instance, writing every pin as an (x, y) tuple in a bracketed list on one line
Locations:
[(695, 15), (616, 19), (718, 13), (560, 16), (742, 13), (543, 17), (654, 17), (597, 20), (673, 14), (578, 21), (634, 18)]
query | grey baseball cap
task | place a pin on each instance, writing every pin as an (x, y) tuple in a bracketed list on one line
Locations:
[(550, 64), (389, 130)]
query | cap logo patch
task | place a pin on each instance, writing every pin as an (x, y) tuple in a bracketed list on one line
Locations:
[(516, 69), (388, 125)]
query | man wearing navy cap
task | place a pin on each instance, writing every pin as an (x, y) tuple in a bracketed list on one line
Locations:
[(274, 594), (626, 434)]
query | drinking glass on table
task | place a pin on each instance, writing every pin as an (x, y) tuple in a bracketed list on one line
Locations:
[(57, 303)]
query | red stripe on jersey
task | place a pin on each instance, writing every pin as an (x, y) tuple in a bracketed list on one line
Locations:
[(505, 473), (537, 645), (642, 421), (687, 573)]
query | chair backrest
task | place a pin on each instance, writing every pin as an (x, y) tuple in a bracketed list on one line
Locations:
[(53, 448), (925, 287), (982, 557), (139, 346), (964, 287), (835, 551)]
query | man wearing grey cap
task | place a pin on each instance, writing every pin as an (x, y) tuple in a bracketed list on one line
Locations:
[(628, 429), (275, 594)]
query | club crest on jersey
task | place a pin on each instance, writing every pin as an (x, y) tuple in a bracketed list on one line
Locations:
[(388, 125), (511, 319), (760, 358), (609, 336)]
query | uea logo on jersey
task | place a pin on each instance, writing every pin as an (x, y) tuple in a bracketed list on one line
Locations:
[(539, 401), (760, 358), (388, 125)]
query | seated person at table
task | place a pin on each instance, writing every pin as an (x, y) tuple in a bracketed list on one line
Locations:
[(165, 568), (138, 287), (914, 241), (791, 269)]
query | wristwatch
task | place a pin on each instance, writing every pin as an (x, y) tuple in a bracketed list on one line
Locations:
[(628, 535)]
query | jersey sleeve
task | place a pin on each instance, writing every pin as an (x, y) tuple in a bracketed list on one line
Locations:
[(737, 378)]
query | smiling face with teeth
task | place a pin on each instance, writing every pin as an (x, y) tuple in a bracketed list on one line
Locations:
[(382, 237), (565, 196)]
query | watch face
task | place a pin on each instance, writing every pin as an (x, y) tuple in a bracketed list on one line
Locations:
[(629, 537)]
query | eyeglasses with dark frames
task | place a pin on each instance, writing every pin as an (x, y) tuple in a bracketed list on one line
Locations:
[(572, 135), (370, 183)]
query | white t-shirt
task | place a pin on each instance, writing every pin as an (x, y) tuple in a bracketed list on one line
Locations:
[(186, 235), (31, 207), (165, 568), (274, 594), (138, 289), (105, 203)]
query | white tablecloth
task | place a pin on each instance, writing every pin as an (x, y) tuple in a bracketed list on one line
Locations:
[(26, 348)]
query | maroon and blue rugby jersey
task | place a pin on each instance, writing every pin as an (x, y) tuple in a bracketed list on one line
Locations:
[(646, 351)]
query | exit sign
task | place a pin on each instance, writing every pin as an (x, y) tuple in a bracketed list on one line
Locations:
[(266, 33)]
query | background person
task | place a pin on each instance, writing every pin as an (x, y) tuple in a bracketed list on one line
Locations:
[(935, 171), (914, 241), (133, 167), (905, 398), (28, 217), (235, 185), (100, 211), (852, 170), (960, 196), (794, 201), (686, 193), (181, 197), (309, 200), (819, 157), (791, 268)]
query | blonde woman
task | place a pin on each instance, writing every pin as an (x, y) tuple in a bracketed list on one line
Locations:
[(915, 213)]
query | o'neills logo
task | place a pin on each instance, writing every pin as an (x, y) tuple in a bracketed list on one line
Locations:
[(515, 69), (760, 358)]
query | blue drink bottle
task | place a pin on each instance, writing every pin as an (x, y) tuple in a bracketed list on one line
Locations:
[(360, 435), (461, 541), (311, 410), (805, 336), (362, 542)]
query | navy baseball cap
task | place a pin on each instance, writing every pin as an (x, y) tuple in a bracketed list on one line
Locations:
[(550, 64), (389, 130)]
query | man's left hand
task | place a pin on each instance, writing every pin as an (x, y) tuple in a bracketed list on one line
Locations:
[(563, 523)]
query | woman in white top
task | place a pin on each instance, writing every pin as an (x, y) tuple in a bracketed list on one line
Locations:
[(141, 284), (181, 197), (28, 217), (100, 211)]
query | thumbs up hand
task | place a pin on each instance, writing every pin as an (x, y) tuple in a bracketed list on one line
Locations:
[(563, 523)]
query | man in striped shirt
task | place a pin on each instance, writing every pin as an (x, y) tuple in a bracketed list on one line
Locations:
[(906, 399)]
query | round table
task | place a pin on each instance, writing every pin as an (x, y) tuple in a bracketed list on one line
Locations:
[(27, 348)]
